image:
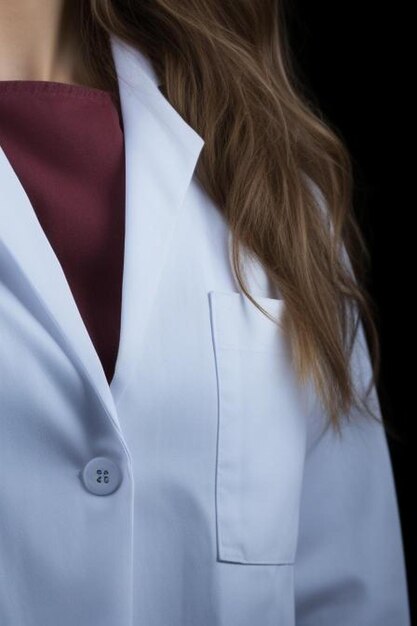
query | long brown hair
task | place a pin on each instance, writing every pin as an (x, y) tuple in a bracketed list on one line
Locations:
[(270, 162)]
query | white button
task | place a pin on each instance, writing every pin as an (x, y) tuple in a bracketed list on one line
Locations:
[(101, 476)]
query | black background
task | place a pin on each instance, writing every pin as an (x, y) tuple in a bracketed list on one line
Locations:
[(352, 57)]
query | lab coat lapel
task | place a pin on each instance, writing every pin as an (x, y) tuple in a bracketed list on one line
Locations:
[(161, 152), (29, 248)]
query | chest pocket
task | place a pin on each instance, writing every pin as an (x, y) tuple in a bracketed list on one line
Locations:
[(261, 433)]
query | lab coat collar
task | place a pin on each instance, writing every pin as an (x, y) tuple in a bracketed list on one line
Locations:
[(133, 67), (161, 153)]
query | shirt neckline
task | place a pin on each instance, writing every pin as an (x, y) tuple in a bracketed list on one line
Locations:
[(51, 87)]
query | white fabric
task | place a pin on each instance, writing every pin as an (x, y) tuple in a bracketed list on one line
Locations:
[(233, 509)]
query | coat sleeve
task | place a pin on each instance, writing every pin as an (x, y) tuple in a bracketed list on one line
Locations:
[(349, 567)]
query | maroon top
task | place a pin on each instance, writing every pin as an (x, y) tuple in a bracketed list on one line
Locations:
[(66, 145)]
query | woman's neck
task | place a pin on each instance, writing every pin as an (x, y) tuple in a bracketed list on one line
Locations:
[(39, 40)]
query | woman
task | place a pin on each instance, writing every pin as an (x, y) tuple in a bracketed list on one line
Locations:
[(189, 431)]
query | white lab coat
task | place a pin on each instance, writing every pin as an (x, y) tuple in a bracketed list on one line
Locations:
[(232, 509)]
